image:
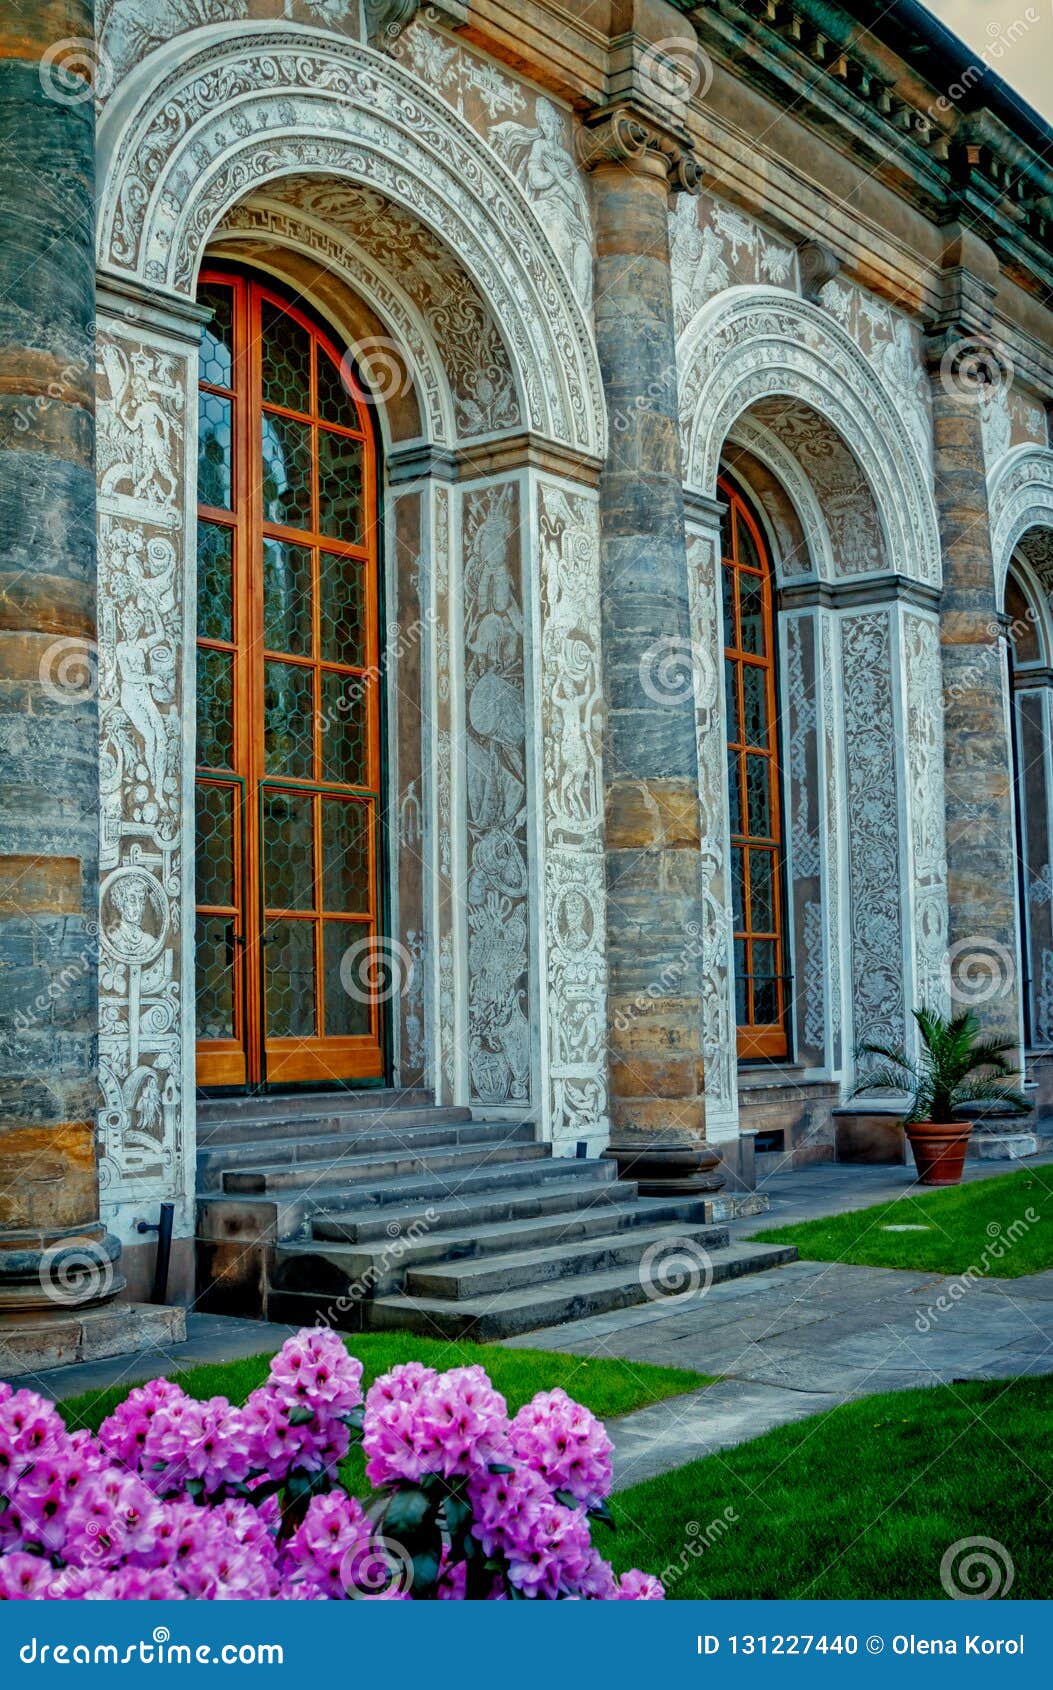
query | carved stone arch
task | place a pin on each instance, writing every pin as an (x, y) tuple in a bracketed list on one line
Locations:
[(1020, 499), (751, 346), (274, 237), (187, 137), (811, 554)]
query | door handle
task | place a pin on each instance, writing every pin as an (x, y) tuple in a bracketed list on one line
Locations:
[(232, 940)]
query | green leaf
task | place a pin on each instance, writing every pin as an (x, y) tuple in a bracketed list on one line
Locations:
[(458, 1513), (300, 1415), (500, 1467), (425, 1573), (602, 1513), (407, 1512)]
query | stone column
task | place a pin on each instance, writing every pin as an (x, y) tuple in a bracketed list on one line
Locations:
[(650, 761), (983, 948), (54, 1251)]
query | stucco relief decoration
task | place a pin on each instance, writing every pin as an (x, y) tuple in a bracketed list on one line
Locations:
[(873, 832), (921, 645), (718, 1022), (803, 761), (542, 159), (833, 791), (893, 345), (572, 804), (127, 30), (751, 345), (496, 784), (242, 111), (461, 327), (140, 439), (1020, 499), (713, 246)]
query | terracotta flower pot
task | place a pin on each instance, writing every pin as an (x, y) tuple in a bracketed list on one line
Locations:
[(939, 1150)]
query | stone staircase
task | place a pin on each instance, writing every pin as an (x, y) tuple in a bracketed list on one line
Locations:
[(383, 1210)]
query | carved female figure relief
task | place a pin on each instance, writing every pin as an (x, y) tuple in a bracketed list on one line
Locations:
[(547, 172)]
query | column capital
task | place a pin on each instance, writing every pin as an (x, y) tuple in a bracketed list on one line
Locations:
[(968, 284), (626, 134)]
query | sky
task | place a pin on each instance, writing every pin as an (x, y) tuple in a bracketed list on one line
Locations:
[(1013, 37)]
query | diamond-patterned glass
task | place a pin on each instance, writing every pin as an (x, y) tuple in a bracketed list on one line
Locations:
[(214, 450), (340, 514), (286, 359), (335, 403), (215, 978), (347, 956), (214, 585), (215, 710), (343, 618), (288, 720), (287, 595), (345, 744), (762, 892), (346, 828), (215, 358), (290, 979), (286, 447), (755, 704), (214, 851), (288, 850), (765, 982), (758, 797), (751, 615)]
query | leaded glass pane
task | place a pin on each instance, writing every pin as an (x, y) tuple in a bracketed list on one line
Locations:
[(751, 615), (215, 617), (214, 450), (762, 892), (754, 704), (286, 359), (748, 557), (215, 710), (288, 850), (288, 720), (765, 983), (738, 888), (741, 982), (340, 514), (287, 595), (343, 613), (216, 354), (734, 792), (286, 447), (345, 746), (345, 856), (731, 701), (349, 955), (758, 797), (214, 845), (727, 582), (335, 403), (214, 958), (290, 979)]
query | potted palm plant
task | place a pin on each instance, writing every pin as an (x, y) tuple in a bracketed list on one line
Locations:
[(955, 1067)]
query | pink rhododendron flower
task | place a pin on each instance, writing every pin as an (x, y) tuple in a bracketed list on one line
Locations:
[(566, 1444)]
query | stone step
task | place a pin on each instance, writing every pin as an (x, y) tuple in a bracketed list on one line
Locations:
[(497, 1183), (376, 1141), (507, 1314), (502, 1213), (381, 1264), (313, 1122), (443, 1163), (675, 1246)]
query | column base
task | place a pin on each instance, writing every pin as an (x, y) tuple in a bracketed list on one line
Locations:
[(670, 1170), (34, 1341), (60, 1273)]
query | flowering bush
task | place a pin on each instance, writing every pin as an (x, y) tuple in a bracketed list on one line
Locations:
[(180, 1498)]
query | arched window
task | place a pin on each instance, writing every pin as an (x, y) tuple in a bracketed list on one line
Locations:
[(761, 986), (288, 701)]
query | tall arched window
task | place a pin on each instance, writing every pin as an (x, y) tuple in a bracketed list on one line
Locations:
[(288, 701), (761, 993)]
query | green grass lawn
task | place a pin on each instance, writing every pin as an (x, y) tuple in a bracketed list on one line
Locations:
[(863, 1501), (1000, 1228), (608, 1386)]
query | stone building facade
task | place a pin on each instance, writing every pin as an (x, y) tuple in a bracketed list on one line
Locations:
[(703, 354)]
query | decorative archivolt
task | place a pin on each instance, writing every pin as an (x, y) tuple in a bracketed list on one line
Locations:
[(188, 136), (1020, 498), (752, 346)]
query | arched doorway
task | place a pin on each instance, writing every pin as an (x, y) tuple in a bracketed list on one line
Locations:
[(755, 809), (288, 700)]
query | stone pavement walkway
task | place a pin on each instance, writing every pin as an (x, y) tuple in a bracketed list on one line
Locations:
[(811, 1335)]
